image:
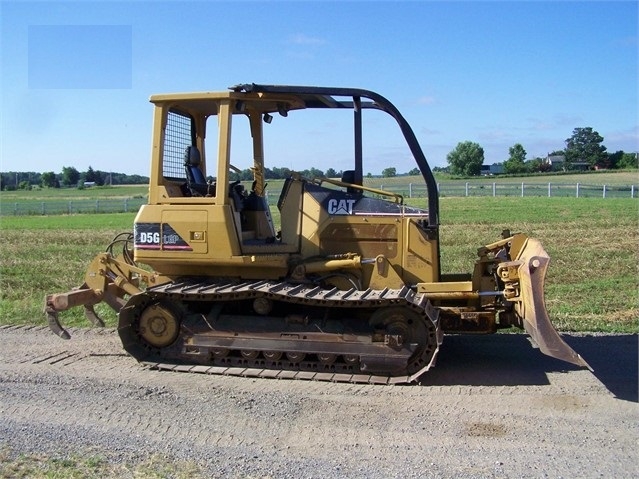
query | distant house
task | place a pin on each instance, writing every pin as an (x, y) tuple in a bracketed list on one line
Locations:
[(580, 165), (494, 169), (556, 162), (89, 184)]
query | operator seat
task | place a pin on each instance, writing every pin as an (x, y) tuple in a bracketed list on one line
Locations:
[(195, 181), (348, 176)]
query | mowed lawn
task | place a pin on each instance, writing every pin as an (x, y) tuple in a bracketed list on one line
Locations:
[(592, 282)]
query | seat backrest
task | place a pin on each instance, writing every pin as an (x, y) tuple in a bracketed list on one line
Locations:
[(192, 163), (290, 206), (348, 176), (284, 192)]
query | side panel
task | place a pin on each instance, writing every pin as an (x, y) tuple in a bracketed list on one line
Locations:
[(421, 261), (185, 231), (184, 240), (336, 222), (368, 238), (183, 234)]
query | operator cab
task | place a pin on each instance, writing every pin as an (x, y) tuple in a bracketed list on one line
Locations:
[(195, 153)]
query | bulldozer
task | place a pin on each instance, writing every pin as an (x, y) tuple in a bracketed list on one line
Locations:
[(346, 286)]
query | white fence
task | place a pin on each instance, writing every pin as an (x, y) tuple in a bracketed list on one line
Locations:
[(56, 207), (409, 190), (577, 190)]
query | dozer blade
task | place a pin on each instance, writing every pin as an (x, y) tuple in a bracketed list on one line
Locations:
[(531, 307)]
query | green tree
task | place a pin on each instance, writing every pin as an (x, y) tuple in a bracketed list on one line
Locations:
[(331, 173), (93, 176), (585, 145), (277, 173), (414, 172), (516, 160), (315, 173), (89, 175), (48, 179), (466, 159), (613, 159), (628, 160), (390, 172), (70, 176)]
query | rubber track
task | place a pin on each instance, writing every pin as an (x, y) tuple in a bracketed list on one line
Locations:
[(193, 290), (286, 374), (311, 295)]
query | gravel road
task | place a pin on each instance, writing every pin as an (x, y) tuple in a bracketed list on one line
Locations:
[(493, 407)]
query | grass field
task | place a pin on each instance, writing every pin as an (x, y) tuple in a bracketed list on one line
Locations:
[(42, 466), (95, 192), (592, 283)]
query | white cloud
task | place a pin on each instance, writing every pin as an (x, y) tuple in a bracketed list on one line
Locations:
[(303, 39), (628, 41), (557, 122), (626, 140), (495, 135), (429, 131), (426, 100)]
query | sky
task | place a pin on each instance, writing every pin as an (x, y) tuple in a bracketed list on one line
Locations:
[(76, 76)]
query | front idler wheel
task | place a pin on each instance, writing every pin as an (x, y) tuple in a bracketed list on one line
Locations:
[(397, 324), (159, 324)]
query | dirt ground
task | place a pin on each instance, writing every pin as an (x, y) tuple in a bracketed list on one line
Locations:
[(492, 407)]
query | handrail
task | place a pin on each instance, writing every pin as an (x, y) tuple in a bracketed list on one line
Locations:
[(398, 198)]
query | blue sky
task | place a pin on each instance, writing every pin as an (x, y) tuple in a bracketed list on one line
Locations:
[(76, 76)]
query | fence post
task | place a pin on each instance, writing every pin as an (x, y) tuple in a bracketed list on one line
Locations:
[(577, 189), (410, 190), (15, 209), (522, 189), (549, 189), (42, 206), (604, 191), (438, 187), (126, 205), (466, 188), (632, 191)]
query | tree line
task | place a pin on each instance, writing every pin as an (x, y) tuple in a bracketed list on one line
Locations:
[(283, 173), (69, 177), (584, 151)]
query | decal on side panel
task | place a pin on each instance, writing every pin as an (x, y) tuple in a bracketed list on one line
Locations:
[(156, 236), (173, 241), (340, 206), (147, 235)]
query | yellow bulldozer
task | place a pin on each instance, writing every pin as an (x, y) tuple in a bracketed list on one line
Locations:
[(346, 286)]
